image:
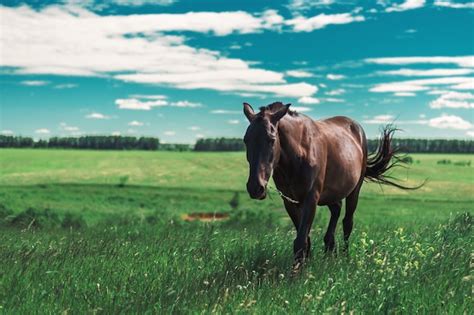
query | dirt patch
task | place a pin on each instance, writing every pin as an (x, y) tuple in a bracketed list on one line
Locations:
[(205, 216)]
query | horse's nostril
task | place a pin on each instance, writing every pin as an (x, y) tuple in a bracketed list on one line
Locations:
[(256, 190)]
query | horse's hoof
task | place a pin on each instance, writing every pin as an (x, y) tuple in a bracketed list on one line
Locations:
[(330, 250), (298, 265)]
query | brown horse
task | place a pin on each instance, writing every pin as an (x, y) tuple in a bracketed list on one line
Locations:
[(313, 163)]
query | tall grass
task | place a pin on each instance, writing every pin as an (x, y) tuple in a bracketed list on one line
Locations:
[(227, 267)]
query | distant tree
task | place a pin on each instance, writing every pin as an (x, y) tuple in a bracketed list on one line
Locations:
[(15, 142), (219, 144)]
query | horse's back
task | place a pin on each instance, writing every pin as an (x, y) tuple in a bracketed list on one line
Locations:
[(343, 124)]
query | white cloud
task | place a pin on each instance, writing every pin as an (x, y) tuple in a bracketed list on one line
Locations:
[(449, 122), (404, 94), (199, 136), (135, 123), (453, 5), (97, 5), (418, 85), (149, 97), (194, 128), (469, 85), (470, 133), (169, 133), (300, 63), (299, 74), (353, 86), (135, 104), (136, 3), (42, 131), (427, 73), (271, 20), (388, 119), (380, 119), (224, 111), (65, 86), (297, 6), (333, 100), (397, 87), (230, 70), (335, 92), (406, 5), (461, 61), (454, 100), (233, 121), (335, 76), (56, 70), (308, 100), (115, 44), (33, 82), (221, 82), (65, 127), (436, 92), (156, 101), (301, 109), (6, 132), (185, 104), (96, 115), (305, 24), (116, 133)]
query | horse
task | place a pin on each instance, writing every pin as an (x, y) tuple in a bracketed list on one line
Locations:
[(313, 163)]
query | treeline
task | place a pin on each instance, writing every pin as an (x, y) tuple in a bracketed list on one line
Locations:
[(85, 142), (405, 145), (212, 144), (428, 145), (219, 144)]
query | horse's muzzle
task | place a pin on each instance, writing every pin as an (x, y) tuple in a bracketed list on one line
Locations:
[(257, 191)]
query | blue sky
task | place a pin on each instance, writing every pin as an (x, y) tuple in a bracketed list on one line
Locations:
[(180, 70)]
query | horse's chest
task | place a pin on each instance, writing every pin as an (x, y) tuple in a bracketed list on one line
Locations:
[(295, 183)]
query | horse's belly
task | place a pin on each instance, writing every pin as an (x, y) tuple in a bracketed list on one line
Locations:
[(342, 178), (333, 194)]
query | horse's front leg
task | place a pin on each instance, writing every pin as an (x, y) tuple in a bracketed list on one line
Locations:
[(295, 214), (301, 243)]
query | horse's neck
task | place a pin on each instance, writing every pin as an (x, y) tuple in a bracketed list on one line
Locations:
[(289, 133)]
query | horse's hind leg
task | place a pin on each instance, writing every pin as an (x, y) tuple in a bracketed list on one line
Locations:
[(329, 240), (347, 222)]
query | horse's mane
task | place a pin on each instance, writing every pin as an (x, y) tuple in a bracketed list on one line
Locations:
[(275, 107)]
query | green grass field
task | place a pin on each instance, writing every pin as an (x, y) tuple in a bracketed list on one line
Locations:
[(103, 232)]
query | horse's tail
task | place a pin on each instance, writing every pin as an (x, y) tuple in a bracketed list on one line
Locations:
[(383, 159)]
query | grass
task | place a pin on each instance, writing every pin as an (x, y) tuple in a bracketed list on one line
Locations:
[(101, 232)]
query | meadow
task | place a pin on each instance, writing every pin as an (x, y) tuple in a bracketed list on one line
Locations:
[(109, 232)]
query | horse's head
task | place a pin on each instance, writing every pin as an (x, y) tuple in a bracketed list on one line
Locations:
[(263, 147)]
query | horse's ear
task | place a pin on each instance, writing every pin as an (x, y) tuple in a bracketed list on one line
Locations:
[(280, 113), (248, 111)]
